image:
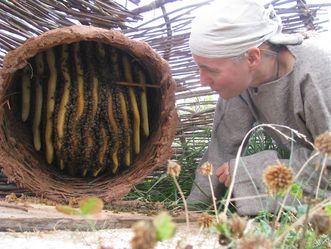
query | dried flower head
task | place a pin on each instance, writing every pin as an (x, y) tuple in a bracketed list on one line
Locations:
[(277, 177), (223, 240), (173, 168), (222, 218), (255, 242), (321, 223), (205, 220), (238, 225), (323, 142), (144, 235), (11, 197), (206, 169)]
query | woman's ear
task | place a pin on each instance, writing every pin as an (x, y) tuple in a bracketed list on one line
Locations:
[(253, 57)]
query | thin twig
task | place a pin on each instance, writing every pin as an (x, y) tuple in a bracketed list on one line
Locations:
[(151, 6), (184, 202), (249, 197), (214, 198), (136, 84), (321, 174)]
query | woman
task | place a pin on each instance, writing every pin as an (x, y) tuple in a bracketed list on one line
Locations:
[(261, 76)]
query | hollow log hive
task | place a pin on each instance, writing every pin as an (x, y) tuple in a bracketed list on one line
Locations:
[(81, 118), (85, 106)]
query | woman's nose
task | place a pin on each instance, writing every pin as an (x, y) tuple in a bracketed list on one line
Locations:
[(204, 80), (204, 83)]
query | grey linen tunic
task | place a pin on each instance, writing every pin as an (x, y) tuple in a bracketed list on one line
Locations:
[(300, 100)]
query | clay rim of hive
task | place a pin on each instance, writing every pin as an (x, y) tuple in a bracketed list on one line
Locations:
[(20, 167)]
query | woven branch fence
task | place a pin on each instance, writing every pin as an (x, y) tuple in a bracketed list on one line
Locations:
[(164, 25)]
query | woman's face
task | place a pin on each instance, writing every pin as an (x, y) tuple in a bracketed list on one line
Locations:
[(228, 76)]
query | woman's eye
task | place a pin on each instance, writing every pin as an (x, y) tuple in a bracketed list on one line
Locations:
[(214, 71)]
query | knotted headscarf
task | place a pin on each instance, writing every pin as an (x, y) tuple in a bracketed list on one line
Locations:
[(228, 28)]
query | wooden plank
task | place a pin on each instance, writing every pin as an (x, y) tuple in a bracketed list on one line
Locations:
[(39, 217)]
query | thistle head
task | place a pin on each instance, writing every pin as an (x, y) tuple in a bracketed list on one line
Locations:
[(277, 177), (144, 235), (255, 242), (206, 169), (321, 223), (238, 225), (205, 220), (323, 142), (173, 168)]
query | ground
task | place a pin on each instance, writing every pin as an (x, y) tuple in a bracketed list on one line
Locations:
[(34, 224)]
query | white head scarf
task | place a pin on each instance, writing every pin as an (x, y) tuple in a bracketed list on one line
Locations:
[(229, 27)]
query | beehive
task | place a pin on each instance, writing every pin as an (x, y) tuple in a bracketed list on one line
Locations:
[(85, 111)]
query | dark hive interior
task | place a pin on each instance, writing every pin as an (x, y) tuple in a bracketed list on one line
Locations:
[(86, 108)]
